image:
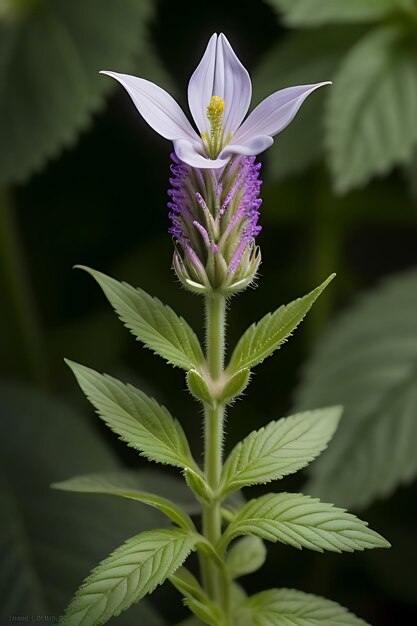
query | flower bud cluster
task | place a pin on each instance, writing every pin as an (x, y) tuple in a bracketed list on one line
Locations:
[(214, 222)]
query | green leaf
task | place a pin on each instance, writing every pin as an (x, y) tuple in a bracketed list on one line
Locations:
[(133, 570), (302, 522), (124, 485), (370, 124), (312, 13), (367, 360), (263, 338), (196, 599), (289, 607), (51, 539), (278, 449), (245, 556), (153, 323), (49, 81), (138, 420), (302, 58)]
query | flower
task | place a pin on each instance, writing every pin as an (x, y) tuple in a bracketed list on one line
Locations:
[(215, 186), (219, 95), (214, 221)]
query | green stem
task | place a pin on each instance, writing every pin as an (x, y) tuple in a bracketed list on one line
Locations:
[(18, 307), (213, 443)]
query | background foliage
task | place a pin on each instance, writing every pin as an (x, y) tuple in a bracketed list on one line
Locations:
[(82, 180)]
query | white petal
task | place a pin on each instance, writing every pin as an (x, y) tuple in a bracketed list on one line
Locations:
[(200, 87), (157, 107), (275, 113), (252, 147), (188, 152), (220, 73), (233, 84)]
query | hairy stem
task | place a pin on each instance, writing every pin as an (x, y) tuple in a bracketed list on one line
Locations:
[(17, 300), (213, 442)]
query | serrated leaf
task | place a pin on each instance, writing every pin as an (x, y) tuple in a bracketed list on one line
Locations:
[(155, 324), (245, 556), (303, 522), (289, 607), (127, 575), (302, 58), (123, 484), (261, 339), (51, 539), (367, 360), (278, 449), (49, 81), (138, 420), (371, 123), (312, 13)]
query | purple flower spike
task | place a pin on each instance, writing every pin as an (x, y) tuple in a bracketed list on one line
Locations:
[(219, 95), (214, 196), (219, 223)]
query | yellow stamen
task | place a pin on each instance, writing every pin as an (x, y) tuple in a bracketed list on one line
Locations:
[(215, 111)]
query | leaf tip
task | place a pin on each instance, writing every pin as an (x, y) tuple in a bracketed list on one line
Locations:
[(76, 368), (337, 412), (384, 543), (329, 279), (84, 268), (59, 486), (71, 364)]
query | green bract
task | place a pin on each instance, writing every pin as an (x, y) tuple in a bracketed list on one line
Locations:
[(280, 448)]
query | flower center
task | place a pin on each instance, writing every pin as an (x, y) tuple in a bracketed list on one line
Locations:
[(214, 140)]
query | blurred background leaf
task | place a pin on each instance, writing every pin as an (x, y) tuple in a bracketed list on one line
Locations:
[(50, 56), (318, 12), (367, 361), (371, 121), (302, 58)]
